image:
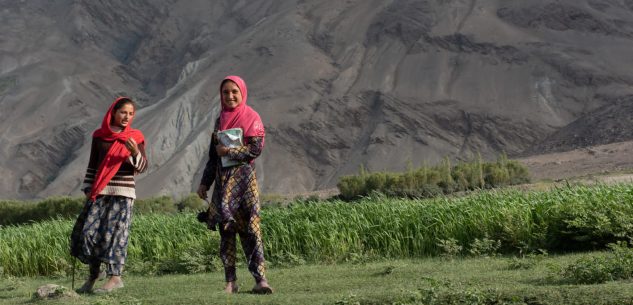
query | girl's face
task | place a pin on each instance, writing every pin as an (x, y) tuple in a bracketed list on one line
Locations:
[(231, 95), (123, 116)]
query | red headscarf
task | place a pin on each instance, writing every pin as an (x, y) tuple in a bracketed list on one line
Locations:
[(242, 116), (117, 153)]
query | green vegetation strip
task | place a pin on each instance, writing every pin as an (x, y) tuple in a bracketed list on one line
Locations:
[(432, 181), (571, 218), (16, 212), (412, 281)]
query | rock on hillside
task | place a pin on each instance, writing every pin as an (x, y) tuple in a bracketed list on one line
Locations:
[(338, 83)]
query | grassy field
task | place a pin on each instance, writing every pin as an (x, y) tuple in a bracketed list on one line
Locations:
[(373, 251), (418, 281), (570, 218)]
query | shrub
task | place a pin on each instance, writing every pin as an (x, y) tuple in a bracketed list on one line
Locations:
[(527, 261), (443, 178), (449, 247), (616, 265), (484, 247), (16, 212), (191, 203), (163, 204)]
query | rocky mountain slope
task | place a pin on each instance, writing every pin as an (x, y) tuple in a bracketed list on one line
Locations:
[(337, 83)]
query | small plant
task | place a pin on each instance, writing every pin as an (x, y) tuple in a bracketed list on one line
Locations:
[(450, 247), (521, 263), (527, 261), (484, 247), (12, 283), (385, 271), (351, 299)]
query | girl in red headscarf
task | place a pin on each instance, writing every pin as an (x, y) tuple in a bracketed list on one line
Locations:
[(235, 206), (100, 234)]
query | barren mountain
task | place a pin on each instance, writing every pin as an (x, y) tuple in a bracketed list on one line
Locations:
[(608, 124), (337, 83)]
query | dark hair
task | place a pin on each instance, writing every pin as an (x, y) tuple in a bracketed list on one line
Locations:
[(226, 81), (122, 102)]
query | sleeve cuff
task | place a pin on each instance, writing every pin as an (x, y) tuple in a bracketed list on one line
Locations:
[(135, 160)]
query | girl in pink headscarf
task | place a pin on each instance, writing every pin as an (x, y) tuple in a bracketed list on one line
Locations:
[(235, 206)]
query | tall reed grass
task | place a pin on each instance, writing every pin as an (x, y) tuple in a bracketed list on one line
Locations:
[(564, 219), (157, 241)]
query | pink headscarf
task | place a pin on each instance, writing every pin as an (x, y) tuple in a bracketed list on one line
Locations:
[(117, 152), (242, 116)]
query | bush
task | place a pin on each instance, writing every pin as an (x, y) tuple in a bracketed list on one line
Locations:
[(443, 178), (16, 212), (163, 204), (591, 218), (191, 203), (616, 265), (484, 247), (423, 191)]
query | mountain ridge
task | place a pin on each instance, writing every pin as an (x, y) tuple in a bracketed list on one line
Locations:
[(339, 84)]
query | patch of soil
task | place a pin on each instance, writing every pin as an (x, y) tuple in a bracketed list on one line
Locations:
[(608, 163)]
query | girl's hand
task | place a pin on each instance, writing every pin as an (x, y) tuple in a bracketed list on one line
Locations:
[(131, 145), (221, 150), (202, 191)]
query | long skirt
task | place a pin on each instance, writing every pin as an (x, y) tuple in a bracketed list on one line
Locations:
[(101, 232)]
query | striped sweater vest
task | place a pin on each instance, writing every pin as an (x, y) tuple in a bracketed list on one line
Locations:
[(122, 184)]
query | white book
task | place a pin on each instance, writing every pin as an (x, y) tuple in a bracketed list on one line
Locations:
[(230, 138)]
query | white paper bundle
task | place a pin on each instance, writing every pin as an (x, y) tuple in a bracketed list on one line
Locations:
[(230, 138)]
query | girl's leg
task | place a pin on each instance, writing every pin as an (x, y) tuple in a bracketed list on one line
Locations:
[(117, 219), (254, 250), (114, 273), (253, 246), (227, 254), (93, 275)]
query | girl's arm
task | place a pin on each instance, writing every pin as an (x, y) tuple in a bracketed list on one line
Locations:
[(139, 161), (208, 175), (91, 170), (251, 149)]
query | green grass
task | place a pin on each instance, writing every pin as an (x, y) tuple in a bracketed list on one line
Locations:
[(565, 219), (416, 281)]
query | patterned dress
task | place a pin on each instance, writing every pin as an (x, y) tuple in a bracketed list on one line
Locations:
[(235, 207), (101, 233)]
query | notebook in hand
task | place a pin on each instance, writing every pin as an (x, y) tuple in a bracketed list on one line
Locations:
[(230, 138)]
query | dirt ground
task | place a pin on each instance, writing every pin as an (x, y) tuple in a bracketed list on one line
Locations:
[(609, 163)]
